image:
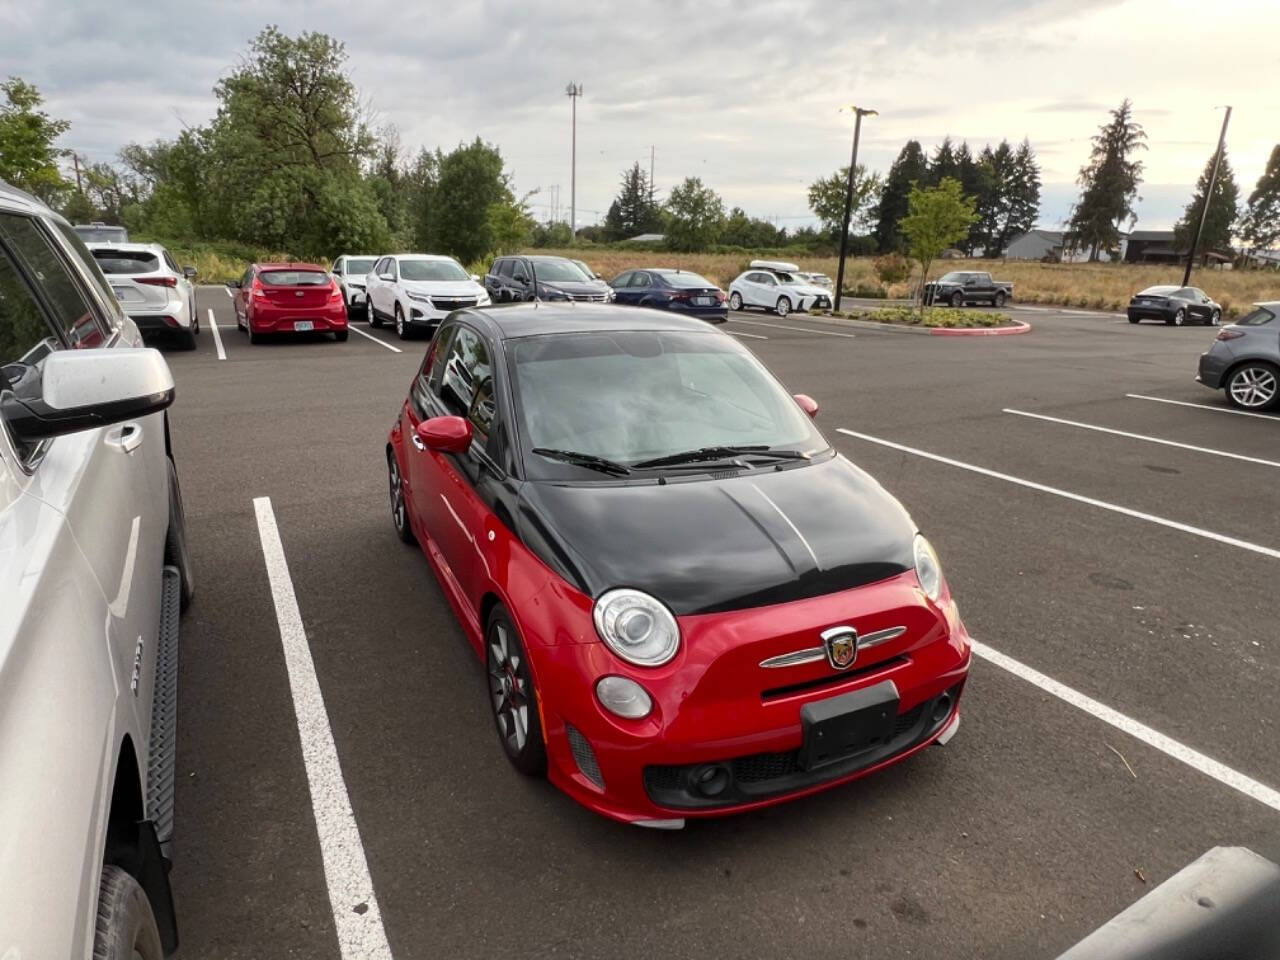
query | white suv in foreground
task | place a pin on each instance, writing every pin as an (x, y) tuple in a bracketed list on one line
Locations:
[(415, 291), (158, 296), (94, 571)]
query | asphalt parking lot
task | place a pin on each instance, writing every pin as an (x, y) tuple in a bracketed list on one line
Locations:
[(1123, 590)]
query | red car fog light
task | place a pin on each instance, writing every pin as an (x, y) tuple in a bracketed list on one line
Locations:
[(623, 697)]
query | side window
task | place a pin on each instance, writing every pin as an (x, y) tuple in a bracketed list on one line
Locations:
[(340, 266), (428, 380), (466, 385), (25, 338), (519, 271), (393, 268), (247, 280), (108, 301), (621, 280), (639, 279), (169, 262), (72, 314)]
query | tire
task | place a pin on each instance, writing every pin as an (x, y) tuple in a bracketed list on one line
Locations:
[(125, 927), (1133, 320), (371, 315), (254, 337), (1178, 319), (187, 339), (1254, 385), (1215, 318), (998, 300), (176, 550), (957, 299), (735, 301), (783, 308), (341, 335), (195, 318), (512, 697), (399, 509), (402, 327)]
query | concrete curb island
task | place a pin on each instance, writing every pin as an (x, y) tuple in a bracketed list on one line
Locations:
[(1020, 326)]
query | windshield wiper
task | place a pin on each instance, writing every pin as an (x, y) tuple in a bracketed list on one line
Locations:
[(721, 453), (590, 461)]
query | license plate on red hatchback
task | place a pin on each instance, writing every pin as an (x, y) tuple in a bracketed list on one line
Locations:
[(302, 326), (840, 727)]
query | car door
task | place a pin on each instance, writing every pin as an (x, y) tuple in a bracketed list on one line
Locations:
[(110, 483), (766, 290), (981, 287), (1199, 301), (241, 298), (641, 288), (522, 279), (619, 284), (751, 289)]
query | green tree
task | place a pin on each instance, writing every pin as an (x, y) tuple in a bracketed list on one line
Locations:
[(471, 181), (1224, 210), (908, 170), (695, 216), (28, 158), (827, 196), (633, 211), (1109, 183), (741, 230), (510, 226), (945, 163), (1260, 226), (937, 217), (1006, 196), (1023, 208)]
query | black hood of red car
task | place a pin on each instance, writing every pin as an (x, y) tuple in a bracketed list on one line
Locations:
[(706, 545)]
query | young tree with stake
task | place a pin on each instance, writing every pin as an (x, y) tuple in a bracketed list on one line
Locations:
[(937, 218)]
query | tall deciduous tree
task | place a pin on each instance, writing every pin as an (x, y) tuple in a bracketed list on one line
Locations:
[(695, 216), (1223, 210), (1260, 226), (909, 169), (1109, 182), (827, 196), (471, 182), (633, 211), (937, 217), (28, 158), (741, 230)]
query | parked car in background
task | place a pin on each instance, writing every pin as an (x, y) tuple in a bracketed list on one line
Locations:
[(158, 295), (288, 298), (665, 568), (960, 287), (98, 232), (817, 279), (1244, 361), (1174, 306), (350, 273), (664, 288), (513, 279), (601, 283), (775, 286), (415, 291), (94, 570)]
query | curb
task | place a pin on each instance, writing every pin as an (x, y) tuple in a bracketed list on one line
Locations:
[(1022, 327)]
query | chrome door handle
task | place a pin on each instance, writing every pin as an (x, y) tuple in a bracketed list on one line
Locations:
[(127, 438), (417, 442)]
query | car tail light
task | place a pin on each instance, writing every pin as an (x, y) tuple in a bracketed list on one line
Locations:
[(680, 296), (720, 297), (335, 291), (171, 322), (1226, 333), (259, 292), (158, 281)]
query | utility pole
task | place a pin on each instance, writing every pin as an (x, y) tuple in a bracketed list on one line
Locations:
[(1208, 198), (651, 152), (75, 160), (574, 91), (858, 114)]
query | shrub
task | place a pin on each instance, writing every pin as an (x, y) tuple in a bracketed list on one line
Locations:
[(866, 291), (891, 268)]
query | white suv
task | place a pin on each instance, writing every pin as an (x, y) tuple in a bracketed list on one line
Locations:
[(776, 287), (415, 291), (158, 296), (94, 570), (350, 273)]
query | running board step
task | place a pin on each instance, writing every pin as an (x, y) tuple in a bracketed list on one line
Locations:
[(162, 757)]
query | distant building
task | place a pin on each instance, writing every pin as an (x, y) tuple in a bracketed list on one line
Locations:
[(1038, 244), (1262, 259), (646, 238), (1152, 246)]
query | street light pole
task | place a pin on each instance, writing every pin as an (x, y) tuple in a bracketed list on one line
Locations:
[(574, 90), (858, 113), (1208, 198)]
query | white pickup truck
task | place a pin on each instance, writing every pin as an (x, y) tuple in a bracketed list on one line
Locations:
[(94, 571)]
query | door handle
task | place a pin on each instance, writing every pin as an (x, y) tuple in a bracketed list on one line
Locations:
[(417, 441), (127, 438)]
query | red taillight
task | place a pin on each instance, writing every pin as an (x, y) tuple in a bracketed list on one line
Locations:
[(258, 291), (158, 281), (335, 291), (720, 297), (680, 296), (1226, 333)]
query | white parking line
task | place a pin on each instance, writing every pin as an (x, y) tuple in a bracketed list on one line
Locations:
[(749, 336), (356, 917), (1066, 494), (1203, 406), (369, 336), (217, 337), (1139, 731), (1139, 436), (227, 291), (783, 326)]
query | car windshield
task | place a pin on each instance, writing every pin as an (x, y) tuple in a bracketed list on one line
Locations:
[(953, 277), (294, 278), (97, 233), (440, 270), (1157, 291), (563, 270), (690, 280), (126, 261), (584, 268), (629, 396), (360, 266)]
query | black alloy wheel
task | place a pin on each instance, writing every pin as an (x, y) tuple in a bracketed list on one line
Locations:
[(999, 299), (957, 299), (1215, 317), (512, 696), (399, 512)]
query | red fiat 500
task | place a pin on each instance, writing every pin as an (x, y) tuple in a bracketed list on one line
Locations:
[(289, 298), (686, 601)]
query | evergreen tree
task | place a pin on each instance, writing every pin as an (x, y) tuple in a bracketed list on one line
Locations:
[(1109, 182), (992, 199), (1222, 214), (973, 183), (910, 168), (1024, 193), (1260, 226), (944, 164), (632, 211)]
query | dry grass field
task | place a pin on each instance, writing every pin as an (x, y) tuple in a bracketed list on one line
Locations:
[(1098, 286)]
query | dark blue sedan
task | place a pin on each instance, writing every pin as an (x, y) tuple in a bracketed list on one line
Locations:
[(667, 289)]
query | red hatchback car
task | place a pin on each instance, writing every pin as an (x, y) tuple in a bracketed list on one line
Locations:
[(289, 298), (686, 601)]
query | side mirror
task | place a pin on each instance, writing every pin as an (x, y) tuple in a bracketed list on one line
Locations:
[(85, 389), (475, 278), (807, 404), (189, 272), (446, 434)]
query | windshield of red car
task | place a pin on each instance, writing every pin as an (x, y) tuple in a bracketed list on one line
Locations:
[(636, 395)]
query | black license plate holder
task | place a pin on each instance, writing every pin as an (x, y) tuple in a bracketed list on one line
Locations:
[(843, 726)]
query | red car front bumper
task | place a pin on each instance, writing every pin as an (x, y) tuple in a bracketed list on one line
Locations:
[(716, 706)]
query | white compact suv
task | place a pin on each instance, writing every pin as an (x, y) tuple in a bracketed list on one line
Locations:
[(350, 273), (777, 287), (158, 296), (94, 571), (415, 291)]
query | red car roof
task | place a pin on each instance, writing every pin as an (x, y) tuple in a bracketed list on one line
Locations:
[(291, 266)]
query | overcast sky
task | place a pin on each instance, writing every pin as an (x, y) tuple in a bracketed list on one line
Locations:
[(743, 94)]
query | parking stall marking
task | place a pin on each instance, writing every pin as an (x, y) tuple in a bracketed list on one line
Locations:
[(1067, 494), (1134, 728), (369, 336), (749, 336), (217, 337), (782, 326), (1139, 436), (356, 916), (1203, 406), (227, 291)]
